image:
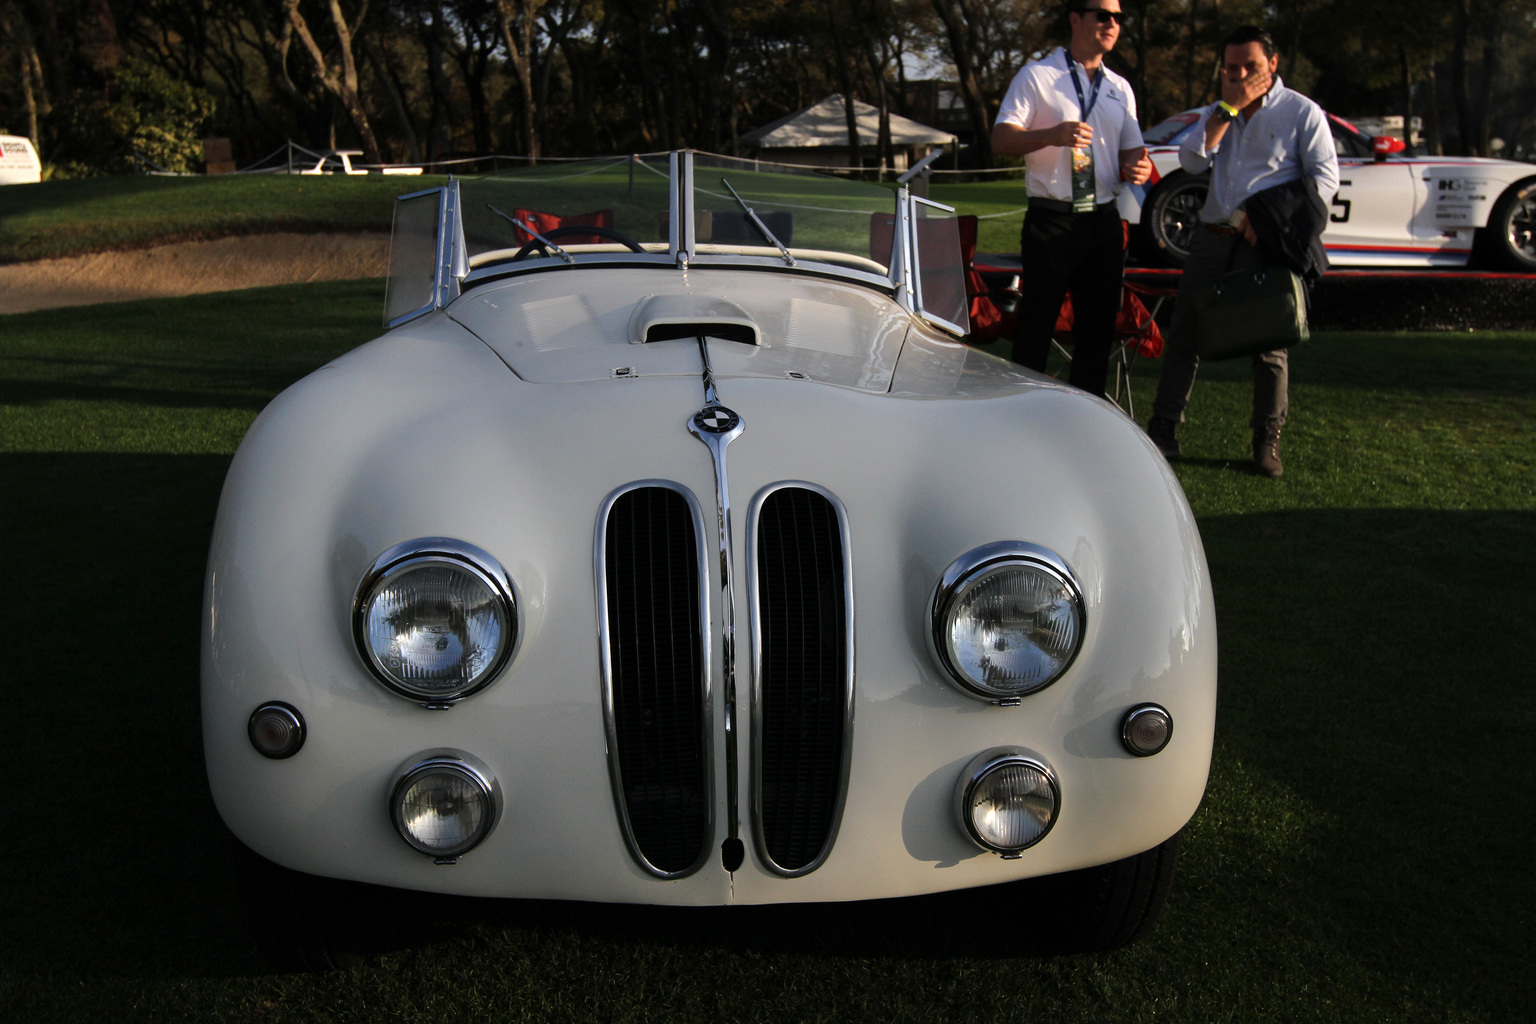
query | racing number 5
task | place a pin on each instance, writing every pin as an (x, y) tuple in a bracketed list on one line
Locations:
[(1343, 204)]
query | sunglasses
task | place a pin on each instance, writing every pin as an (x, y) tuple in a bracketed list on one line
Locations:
[(1105, 17)]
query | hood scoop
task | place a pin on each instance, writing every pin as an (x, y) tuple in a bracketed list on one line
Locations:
[(669, 317)]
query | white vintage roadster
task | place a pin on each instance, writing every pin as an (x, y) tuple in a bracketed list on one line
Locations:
[(670, 547)]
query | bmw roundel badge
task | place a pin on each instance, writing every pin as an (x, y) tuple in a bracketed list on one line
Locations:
[(715, 419)]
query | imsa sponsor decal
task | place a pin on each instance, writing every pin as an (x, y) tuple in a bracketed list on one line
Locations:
[(1460, 200)]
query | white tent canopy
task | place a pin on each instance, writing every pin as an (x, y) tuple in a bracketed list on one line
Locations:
[(826, 124)]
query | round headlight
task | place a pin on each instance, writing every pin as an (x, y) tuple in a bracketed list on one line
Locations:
[(444, 806), (1007, 620), (435, 621), (1007, 801)]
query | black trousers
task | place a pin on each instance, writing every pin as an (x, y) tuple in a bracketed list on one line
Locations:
[(1083, 253)]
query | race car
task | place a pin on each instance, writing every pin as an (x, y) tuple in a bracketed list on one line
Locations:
[(1391, 210)]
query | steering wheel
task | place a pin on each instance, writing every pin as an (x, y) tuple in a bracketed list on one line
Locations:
[(576, 229)]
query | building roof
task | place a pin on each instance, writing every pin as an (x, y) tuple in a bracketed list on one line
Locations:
[(826, 124)]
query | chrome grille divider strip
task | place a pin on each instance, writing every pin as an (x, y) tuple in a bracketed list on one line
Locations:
[(717, 427)]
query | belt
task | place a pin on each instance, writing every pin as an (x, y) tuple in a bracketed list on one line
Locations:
[(1221, 229), (1058, 206)]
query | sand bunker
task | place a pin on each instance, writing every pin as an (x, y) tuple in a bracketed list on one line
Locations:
[(188, 268)]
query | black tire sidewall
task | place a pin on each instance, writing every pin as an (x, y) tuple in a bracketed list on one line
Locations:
[(1491, 245), (1173, 184)]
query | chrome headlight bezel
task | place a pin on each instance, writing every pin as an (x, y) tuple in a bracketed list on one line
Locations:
[(972, 568), (983, 766), (413, 554), (454, 762)]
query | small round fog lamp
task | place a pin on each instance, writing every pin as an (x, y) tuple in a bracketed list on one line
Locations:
[(276, 730), (444, 806), (1146, 729), (1007, 801)]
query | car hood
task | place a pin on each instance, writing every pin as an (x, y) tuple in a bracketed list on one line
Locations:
[(572, 325)]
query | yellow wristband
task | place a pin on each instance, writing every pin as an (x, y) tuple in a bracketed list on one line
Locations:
[(1229, 108)]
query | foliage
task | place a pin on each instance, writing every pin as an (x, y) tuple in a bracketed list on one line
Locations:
[(145, 113), (427, 79)]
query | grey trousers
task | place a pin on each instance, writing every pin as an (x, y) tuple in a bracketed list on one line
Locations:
[(1210, 256)]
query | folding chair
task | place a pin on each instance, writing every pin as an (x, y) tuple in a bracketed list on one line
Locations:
[(544, 223), (1136, 334)]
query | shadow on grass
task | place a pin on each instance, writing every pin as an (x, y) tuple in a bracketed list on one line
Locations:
[(1371, 803), (1244, 466)]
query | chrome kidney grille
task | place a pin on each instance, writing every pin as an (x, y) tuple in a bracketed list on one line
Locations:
[(654, 614), (804, 678), (657, 678)]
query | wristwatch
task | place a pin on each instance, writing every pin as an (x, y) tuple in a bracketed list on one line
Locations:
[(1224, 112)]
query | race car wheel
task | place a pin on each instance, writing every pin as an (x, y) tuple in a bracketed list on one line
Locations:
[(1172, 216), (1509, 240)]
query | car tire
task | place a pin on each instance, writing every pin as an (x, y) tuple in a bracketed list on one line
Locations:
[(1509, 240), (1112, 905), (1171, 217), (302, 922)]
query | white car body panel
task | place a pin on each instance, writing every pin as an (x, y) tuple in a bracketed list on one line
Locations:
[(486, 423)]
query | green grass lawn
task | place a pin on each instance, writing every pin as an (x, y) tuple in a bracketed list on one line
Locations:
[(70, 217), (999, 204), (66, 218), (1362, 853)]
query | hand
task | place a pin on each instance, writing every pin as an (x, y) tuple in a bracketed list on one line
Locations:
[(1246, 89), (1072, 134), (1136, 171), (1246, 227)]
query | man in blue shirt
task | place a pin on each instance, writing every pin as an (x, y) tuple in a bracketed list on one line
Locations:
[(1259, 135)]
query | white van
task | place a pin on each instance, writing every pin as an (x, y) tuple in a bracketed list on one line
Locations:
[(18, 161)]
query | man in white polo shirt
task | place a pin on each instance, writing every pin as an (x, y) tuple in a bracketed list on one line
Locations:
[(1074, 122)]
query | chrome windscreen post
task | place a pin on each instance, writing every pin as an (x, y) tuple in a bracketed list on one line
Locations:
[(682, 221), (905, 252), (452, 257)]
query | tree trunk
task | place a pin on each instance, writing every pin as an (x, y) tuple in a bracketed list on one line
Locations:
[(1432, 139), (520, 33), (1139, 80), (884, 140), (1492, 30), (958, 31), (96, 30), (340, 81), (440, 134), (396, 100), (1465, 121)]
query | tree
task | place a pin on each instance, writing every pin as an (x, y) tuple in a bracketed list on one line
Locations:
[(338, 70)]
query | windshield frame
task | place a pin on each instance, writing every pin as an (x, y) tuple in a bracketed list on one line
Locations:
[(458, 270)]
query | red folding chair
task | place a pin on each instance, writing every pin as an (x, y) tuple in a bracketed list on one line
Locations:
[(544, 223), (1136, 334)]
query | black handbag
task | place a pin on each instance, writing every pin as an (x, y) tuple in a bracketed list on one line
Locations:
[(1244, 312)]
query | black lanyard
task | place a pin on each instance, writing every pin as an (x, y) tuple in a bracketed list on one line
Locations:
[(1086, 106)]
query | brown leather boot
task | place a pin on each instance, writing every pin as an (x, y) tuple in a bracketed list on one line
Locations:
[(1266, 450)]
